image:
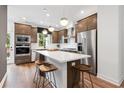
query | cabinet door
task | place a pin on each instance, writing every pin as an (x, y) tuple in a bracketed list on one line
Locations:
[(55, 37), (65, 35), (82, 25), (62, 33), (92, 22), (34, 35), (22, 29)]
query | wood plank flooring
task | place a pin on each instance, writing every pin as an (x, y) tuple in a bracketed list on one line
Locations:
[(21, 76)]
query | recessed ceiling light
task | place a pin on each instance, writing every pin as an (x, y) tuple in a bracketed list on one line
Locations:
[(23, 18), (82, 11), (47, 14)]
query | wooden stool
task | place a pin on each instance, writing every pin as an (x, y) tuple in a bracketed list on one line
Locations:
[(37, 63), (49, 76), (82, 68)]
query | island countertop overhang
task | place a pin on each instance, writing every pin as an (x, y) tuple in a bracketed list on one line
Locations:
[(61, 56)]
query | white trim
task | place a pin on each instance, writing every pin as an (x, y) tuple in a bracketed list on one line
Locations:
[(3, 80), (118, 83)]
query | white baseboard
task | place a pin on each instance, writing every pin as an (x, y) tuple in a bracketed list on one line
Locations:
[(3, 80), (118, 83)]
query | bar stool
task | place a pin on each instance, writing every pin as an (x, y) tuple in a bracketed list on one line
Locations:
[(49, 77), (82, 68), (37, 64)]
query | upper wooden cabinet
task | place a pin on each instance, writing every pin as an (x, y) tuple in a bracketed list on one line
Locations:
[(34, 35), (23, 29), (92, 22), (87, 23), (62, 33), (55, 37), (82, 25)]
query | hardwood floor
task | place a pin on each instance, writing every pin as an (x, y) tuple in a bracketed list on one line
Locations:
[(21, 76)]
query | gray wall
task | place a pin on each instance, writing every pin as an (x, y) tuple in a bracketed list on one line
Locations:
[(3, 30)]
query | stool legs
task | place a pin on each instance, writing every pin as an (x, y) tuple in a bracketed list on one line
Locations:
[(82, 79), (54, 79), (91, 80), (35, 79), (35, 76), (50, 78)]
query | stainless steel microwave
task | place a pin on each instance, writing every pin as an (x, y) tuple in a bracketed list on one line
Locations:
[(23, 38)]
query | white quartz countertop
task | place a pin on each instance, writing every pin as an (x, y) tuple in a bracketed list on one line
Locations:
[(62, 56)]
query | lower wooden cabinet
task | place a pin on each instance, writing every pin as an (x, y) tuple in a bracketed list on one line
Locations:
[(22, 59)]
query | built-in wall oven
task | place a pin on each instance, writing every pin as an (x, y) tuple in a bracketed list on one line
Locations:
[(23, 38), (22, 49)]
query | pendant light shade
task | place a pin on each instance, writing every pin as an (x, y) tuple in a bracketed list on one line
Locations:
[(64, 21), (44, 32), (51, 29)]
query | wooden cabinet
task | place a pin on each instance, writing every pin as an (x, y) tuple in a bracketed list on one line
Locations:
[(22, 59), (61, 35), (82, 25), (63, 32), (55, 37), (92, 22), (22, 29), (87, 23), (34, 35)]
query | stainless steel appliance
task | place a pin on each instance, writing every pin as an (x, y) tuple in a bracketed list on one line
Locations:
[(22, 49), (23, 39), (87, 44)]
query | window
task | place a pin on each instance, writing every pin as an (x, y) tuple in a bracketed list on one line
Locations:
[(41, 39), (44, 40)]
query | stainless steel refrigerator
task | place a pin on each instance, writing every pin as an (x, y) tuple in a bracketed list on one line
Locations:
[(87, 44)]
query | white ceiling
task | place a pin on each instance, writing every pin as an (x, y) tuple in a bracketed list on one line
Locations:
[(34, 13)]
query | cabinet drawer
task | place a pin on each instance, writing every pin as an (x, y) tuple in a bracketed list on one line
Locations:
[(22, 59)]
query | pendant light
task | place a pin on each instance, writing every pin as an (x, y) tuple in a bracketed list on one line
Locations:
[(51, 29), (44, 32), (64, 20)]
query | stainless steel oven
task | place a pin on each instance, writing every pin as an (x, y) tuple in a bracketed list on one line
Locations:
[(22, 50), (23, 38)]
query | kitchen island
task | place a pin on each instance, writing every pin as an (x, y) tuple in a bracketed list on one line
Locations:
[(64, 62)]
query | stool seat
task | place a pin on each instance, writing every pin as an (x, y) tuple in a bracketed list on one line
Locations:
[(48, 78), (47, 67), (38, 62), (82, 67)]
